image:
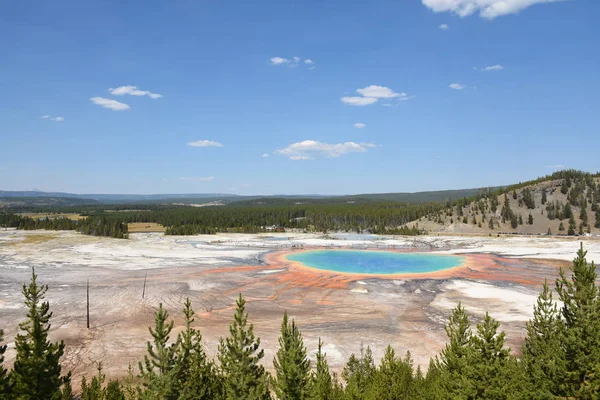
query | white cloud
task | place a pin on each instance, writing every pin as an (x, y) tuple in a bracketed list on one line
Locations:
[(558, 166), (444, 27), (496, 67), (204, 143), (133, 91), (309, 61), (311, 149), (379, 92), (359, 125), (489, 9), (456, 86), (57, 119), (372, 94), (199, 179), (358, 101), (279, 60), (109, 103), (296, 59), (265, 155)]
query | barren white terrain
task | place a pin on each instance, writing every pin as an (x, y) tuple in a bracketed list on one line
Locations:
[(213, 269)]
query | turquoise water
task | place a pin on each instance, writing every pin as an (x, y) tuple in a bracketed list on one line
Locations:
[(375, 262)]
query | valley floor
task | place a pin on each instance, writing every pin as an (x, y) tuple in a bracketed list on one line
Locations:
[(212, 270)]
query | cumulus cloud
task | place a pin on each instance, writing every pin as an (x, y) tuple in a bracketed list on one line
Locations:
[(278, 60), (204, 143), (292, 62), (444, 27), (265, 155), (359, 125), (109, 103), (496, 67), (372, 94), (379, 92), (45, 116), (198, 179), (358, 101), (489, 9), (456, 86), (133, 91), (311, 149)]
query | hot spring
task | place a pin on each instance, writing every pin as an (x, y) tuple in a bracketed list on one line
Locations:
[(375, 262)]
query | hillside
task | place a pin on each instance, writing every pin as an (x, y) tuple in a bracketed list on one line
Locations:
[(566, 202)]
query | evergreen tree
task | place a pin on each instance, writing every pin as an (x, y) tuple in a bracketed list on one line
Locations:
[(492, 372), (580, 334), (321, 384), (157, 373), (240, 356), (514, 222), (4, 385), (456, 359), (597, 224), (561, 227), (542, 352), (491, 224), (530, 219), (36, 372), (358, 375), (95, 391), (572, 226), (520, 220), (583, 217), (292, 367), (393, 380), (544, 197), (195, 376)]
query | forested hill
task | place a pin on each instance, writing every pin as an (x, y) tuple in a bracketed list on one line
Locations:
[(239, 200), (566, 202)]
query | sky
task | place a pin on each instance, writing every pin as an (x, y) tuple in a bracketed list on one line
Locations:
[(295, 96)]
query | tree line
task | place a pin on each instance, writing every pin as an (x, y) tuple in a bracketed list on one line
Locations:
[(560, 358), (94, 226)]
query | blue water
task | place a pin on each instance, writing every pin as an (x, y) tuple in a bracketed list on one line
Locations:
[(375, 262)]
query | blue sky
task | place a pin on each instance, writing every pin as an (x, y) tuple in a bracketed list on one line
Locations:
[(207, 96)]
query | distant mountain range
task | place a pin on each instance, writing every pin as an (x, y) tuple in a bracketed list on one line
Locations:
[(224, 198)]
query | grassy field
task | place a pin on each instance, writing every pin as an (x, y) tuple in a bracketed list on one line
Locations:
[(145, 227), (74, 217)]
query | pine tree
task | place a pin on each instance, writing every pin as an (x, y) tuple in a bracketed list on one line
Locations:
[(393, 380), (321, 384), (580, 335), (561, 227), (240, 357), (37, 371), (583, 216), (572, 226), (544, 197), (491, 224), (195, 376), (4, 385), (530, 219), (597, 224), (457, 357), (542, 353), (292, 367), (491, 365), (520, 220), (358, 375), (157, 372)]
